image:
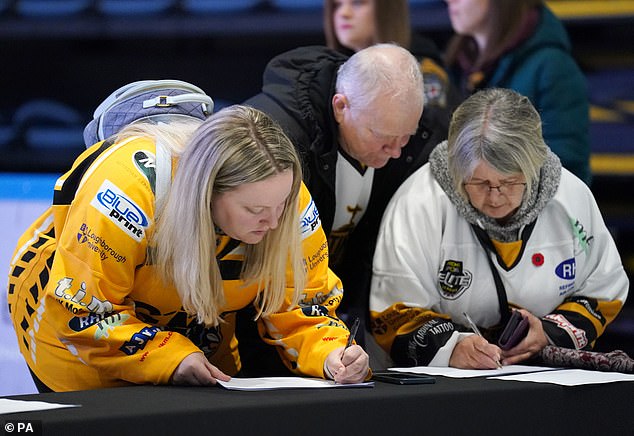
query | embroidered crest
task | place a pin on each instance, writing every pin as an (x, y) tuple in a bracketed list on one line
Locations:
[(453, 280)]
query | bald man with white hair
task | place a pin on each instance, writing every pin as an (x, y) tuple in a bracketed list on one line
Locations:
[(377, 104), (360, 128)]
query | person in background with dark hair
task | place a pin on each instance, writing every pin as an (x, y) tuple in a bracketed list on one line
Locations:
[(521, 45), (492, 227), (352, 25)]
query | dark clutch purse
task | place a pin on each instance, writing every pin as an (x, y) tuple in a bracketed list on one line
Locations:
[(514, 331)]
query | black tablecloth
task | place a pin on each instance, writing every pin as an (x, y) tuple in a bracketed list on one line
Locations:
[(450, 406)]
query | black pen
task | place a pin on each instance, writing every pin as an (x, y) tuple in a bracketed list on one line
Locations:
[(353, 333)]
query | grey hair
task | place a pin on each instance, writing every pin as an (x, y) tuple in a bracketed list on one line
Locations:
[(236, 145), (500, 127), (378, 71)]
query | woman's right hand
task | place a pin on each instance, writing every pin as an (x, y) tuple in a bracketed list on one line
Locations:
[(196, 370), (474, 352)]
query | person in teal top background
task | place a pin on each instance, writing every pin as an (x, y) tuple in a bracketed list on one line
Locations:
[(523, 46)]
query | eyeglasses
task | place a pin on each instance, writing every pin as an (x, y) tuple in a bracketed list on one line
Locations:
[(504, 188)]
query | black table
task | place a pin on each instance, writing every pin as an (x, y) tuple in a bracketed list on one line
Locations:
[(449, 407)]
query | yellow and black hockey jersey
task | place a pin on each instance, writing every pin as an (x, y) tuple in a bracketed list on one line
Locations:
[(89, 311)]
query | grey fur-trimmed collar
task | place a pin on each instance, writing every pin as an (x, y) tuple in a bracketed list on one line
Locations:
[(529, 210)]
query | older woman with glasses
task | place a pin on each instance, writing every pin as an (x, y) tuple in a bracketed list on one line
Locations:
[(492, 234)]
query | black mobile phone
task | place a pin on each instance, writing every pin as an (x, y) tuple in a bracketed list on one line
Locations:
[(403, 378)]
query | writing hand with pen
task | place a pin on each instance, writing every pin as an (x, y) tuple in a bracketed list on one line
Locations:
[(475, 352), (349, 364)]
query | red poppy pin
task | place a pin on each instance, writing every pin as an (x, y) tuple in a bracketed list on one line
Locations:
[(538, 259)]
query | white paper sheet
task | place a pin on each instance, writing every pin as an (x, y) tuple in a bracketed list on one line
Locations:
[(570, 377), (14, 406), (465, 373), (268, 383)]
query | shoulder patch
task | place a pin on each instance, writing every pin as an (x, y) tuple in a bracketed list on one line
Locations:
[(583, 239), (309, 220), (121, 210), (435, 81), (145, 162)]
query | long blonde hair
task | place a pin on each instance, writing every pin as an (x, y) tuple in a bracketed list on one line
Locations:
[(237, 145), (173, 131)]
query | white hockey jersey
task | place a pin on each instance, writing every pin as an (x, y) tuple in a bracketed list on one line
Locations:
[(429, 268)]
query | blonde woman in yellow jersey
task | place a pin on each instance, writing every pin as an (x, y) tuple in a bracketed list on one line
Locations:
[(135, 273)]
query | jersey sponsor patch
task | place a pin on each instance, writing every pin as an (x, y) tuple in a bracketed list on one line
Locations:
[(582, 238), (567, 269), (75, 299), (317, 257), (428, 331), (145, 162), (139, 340), (453, 279), (309, 220), (315, 310), (330, 299), (98, 244), (121, 210), (105, 322)]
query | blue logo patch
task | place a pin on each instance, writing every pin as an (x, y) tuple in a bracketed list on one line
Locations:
[(121, 210), (139, 340), (309, 221), (567, 269)]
